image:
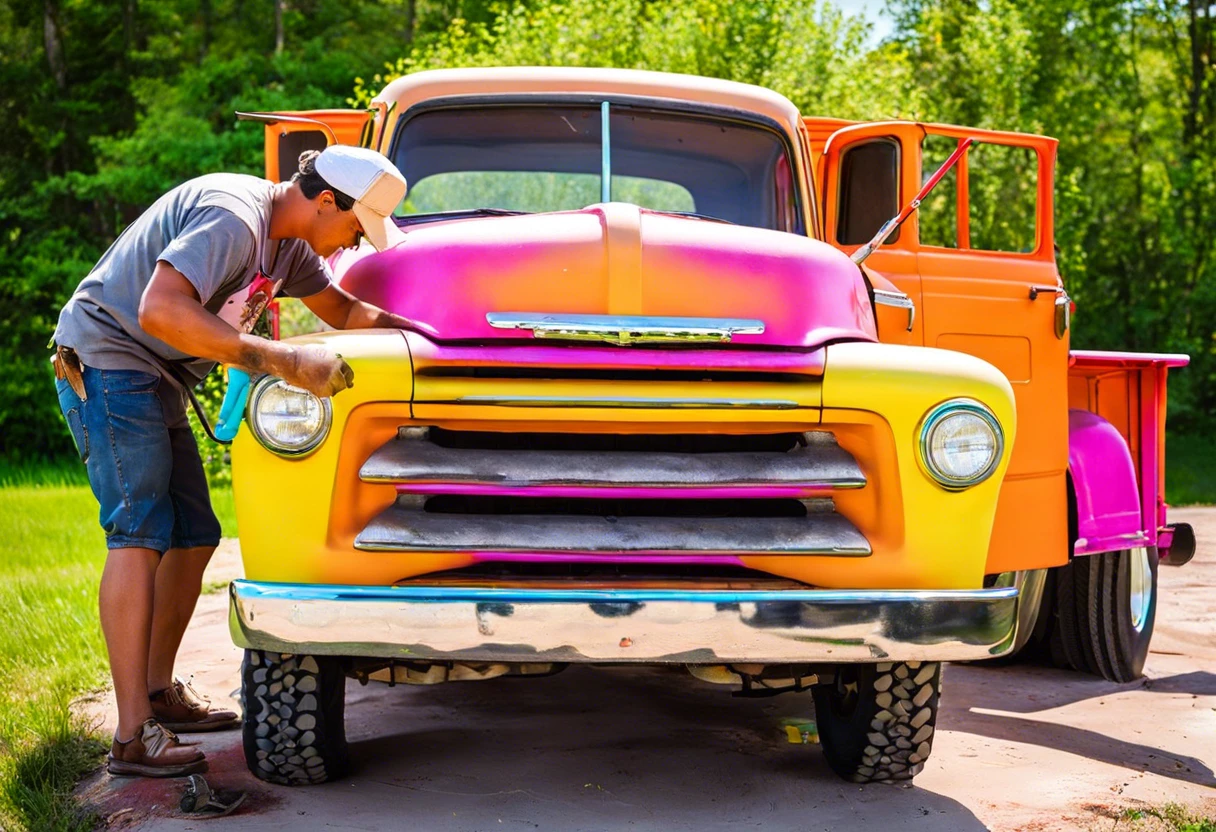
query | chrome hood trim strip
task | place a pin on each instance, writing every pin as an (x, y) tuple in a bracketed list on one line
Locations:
[(623, 330)]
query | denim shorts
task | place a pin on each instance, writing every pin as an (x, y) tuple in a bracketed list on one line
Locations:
[(147, 476)]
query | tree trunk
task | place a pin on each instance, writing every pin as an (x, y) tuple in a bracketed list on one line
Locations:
[(204, 10), (53, 40), (130, 9), (411, 20), (278, 26)]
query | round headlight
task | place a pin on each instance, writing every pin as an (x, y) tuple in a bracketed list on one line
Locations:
[(286, 419), (960, 443)]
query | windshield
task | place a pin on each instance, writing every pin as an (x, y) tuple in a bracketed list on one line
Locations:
[(552, 157)]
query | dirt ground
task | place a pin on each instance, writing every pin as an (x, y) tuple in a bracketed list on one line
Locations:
[(1019, 748)]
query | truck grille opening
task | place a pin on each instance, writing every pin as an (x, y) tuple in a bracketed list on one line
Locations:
[(675, 500), (614, 508)]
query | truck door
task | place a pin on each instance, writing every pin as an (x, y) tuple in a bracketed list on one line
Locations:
[(288, 134), (990, 287), (868, 172)]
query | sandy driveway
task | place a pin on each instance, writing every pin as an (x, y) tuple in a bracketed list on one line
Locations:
[(1017, 748)]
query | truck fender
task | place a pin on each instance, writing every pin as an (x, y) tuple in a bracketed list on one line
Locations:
[(1103, 477)]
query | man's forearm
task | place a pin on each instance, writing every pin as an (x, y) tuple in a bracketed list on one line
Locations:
[(366, 316), (182, 323)]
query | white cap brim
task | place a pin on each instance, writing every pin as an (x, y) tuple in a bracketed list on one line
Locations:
[(380, 230)]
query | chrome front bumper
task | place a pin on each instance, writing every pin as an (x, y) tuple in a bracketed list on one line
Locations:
[(624, 625)]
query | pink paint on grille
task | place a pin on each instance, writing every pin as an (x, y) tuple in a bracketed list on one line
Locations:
[(628, 492), (632, 557)]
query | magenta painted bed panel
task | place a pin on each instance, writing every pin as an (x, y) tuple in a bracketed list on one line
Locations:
[(1104, 477), (1128, 359)]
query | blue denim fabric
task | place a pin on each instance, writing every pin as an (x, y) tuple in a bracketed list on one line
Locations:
[(147, 477)]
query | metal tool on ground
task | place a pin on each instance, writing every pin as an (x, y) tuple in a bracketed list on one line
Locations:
[(199, 801)]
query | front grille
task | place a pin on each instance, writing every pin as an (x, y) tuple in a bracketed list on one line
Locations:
[(613, 498)]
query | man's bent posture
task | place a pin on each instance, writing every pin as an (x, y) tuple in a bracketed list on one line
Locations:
[(161, 307)]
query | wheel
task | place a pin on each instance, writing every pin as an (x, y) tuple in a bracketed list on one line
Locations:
[(1106, 606), (1124, 587), (876, 721), (1068, 638), (294, 731)]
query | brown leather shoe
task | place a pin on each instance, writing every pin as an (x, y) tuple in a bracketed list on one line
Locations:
[(154, 751), (179, 708)]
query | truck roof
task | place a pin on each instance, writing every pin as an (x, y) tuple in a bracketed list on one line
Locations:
[(419, 86)]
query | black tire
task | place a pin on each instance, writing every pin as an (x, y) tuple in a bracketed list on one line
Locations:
[(876, 722), (1121, 629), (294, 730), (1072, 612), (1099, 628)]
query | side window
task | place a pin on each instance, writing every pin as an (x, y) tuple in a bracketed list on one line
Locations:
[(938, 214), (1003, 183), (869, 191), (1002, 197), (292, 144)]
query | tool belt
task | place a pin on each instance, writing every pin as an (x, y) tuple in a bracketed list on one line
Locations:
[(68, 368)]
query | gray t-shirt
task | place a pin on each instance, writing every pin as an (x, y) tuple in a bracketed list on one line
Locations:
[(213, 230)]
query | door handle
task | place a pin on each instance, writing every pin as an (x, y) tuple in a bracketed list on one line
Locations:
[(1035, 291), (1063, 310)]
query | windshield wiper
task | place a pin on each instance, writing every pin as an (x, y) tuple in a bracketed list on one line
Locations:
[(694, 215), (436, 216)]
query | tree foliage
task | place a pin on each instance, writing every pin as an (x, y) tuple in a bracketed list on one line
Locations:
[(110, 104)]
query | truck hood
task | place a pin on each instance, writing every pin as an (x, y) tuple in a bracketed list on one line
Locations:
[(614, 259)]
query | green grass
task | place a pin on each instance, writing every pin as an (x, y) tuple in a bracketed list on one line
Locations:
[(51, 649), (1190, 470), (1171, 817)]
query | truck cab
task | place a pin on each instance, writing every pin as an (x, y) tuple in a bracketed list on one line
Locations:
[(651, 412)]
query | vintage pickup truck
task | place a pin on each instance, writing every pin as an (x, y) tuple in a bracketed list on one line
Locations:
[(652, 412)]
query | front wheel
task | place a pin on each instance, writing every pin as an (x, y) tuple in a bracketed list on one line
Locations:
[(294, 731), (876, 721)]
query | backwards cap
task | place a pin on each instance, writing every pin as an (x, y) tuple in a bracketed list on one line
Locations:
[(373, 182)]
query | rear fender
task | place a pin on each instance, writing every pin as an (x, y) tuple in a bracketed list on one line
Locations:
[(1103, 476)]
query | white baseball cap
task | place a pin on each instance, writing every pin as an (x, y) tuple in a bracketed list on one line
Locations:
[(373, 182)]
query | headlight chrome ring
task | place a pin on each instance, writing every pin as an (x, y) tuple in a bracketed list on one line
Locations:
[(961, 443), (287, 420)]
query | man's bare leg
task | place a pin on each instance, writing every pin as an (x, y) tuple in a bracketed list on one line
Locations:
[(179, 579), (125, 600)]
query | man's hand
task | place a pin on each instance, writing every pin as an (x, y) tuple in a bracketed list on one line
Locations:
[(319, 371)]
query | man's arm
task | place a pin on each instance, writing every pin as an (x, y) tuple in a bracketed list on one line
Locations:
[(171, 310), (341, 310)]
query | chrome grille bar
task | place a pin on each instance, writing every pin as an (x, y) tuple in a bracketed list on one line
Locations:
[(404, 527)]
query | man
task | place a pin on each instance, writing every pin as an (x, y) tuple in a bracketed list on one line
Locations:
[(160, 308)]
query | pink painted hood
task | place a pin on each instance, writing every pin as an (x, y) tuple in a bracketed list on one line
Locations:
[(613, 259)]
